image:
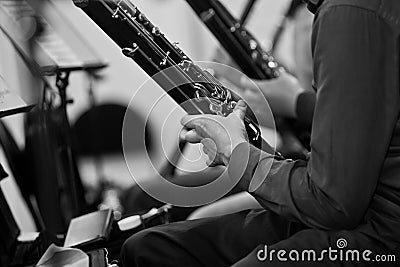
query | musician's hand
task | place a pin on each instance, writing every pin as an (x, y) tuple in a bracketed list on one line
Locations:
[(219, 135), (281, 93)]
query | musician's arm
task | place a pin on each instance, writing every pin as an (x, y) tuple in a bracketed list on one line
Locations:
[(353, 122), (285, 96), (305, 104)]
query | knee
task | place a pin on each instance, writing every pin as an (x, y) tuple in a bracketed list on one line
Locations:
[(134, 249)]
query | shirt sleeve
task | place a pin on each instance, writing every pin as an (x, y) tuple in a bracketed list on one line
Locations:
[(305, 108), (354, 118)]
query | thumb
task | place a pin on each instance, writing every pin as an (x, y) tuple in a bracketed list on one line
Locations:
[(240, 109)]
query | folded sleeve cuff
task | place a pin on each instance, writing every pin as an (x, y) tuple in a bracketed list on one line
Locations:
[(245, 166)]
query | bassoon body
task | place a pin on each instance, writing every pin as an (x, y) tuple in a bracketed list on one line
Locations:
[(239, 43), (166, 63)]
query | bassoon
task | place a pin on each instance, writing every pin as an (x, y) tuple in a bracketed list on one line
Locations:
[(239, 43), (248, 53), (166, 63)]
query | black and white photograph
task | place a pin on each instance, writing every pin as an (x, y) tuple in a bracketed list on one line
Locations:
[(199, 133)]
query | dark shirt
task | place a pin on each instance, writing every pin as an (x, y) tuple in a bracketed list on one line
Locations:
[(352, 177), (305, 105)]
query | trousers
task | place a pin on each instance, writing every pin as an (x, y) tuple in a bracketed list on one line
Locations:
[(251, 238)]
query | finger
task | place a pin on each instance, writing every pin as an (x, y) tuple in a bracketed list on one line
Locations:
[(192, 121), (192, 137), (206, 151), (182, 134), (205, 148), (210, 160), (209, 146), (210, 163), (240, 109)]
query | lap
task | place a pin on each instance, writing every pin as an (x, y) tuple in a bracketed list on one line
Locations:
[(236, 239), (216, 241)]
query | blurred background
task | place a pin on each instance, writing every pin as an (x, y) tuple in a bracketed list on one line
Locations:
[(114, 85)]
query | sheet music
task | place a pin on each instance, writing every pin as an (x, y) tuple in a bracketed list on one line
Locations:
[(10, 102), (52, 51)]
